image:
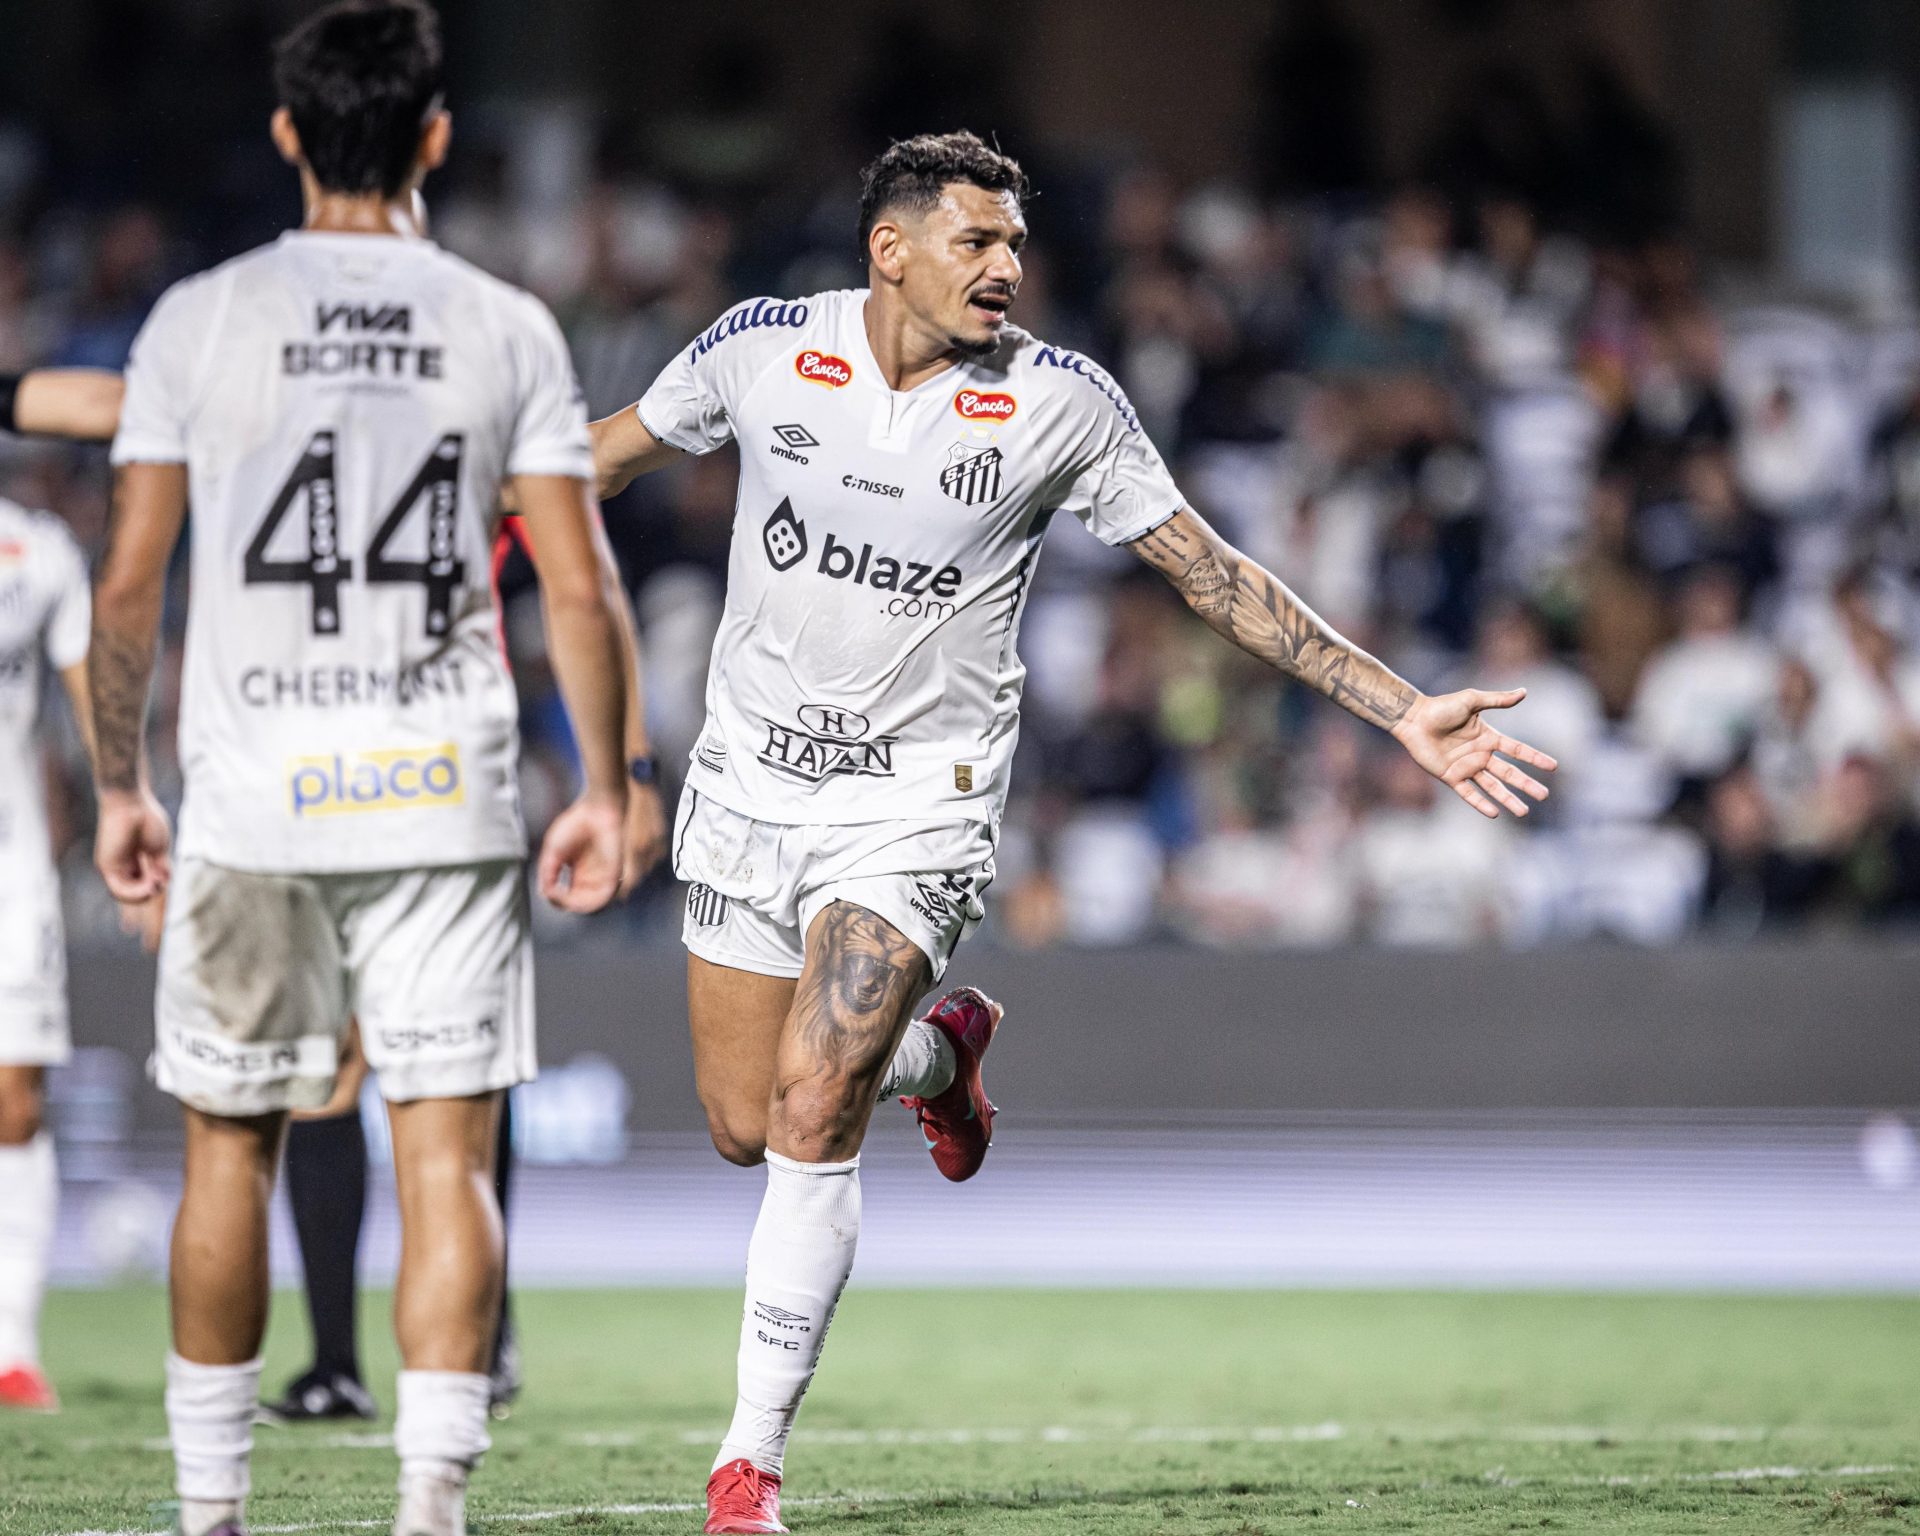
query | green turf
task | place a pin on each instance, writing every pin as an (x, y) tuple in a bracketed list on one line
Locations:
[(1227, 1413)]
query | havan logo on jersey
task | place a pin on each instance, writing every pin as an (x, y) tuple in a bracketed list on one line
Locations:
[(394, 779), (972, 475), (827, 742)]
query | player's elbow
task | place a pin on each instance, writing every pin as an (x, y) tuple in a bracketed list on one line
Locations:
[(578, 595), (123, 595)]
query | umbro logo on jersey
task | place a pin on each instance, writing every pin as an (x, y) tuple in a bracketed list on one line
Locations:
[(706, 906), (794, 436), (785, 537), (972, 475)]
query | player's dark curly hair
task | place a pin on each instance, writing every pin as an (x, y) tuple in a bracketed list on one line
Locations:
[(360, 79), (912, 173)]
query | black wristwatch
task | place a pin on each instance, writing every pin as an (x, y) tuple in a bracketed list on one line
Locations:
[(644, 770)]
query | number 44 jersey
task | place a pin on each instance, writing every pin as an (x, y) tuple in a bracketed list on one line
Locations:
[(883, 549), (346, 407)]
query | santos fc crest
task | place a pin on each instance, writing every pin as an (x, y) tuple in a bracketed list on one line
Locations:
[(972, 475)]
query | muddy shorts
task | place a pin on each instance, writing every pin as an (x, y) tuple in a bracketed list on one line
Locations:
[(260, 973)]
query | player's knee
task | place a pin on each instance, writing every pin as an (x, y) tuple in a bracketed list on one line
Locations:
[(736, 1142), (20, 1114), (822, 1116)]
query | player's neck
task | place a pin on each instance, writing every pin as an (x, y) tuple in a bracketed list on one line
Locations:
[(907, 355), (340, 213)]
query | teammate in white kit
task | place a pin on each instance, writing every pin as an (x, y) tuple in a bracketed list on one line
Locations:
[(343, 406), (43, 623), (902, 451)]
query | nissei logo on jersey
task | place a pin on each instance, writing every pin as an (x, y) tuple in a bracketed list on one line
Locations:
[(823, 368), (394, 779), (975, 406), (1073, 362), (749, 317)]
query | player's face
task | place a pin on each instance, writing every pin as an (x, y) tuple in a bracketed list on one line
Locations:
[(961, 267)]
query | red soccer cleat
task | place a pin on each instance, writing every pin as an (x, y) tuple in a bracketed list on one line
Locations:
[(957, 1124), (27, 1387), (742, 1500)]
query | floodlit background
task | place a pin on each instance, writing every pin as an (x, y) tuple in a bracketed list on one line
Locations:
[(1535, 342)]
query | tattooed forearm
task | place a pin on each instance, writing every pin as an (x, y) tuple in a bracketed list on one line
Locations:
[(1256, 611), (149, 504), (120, 667)]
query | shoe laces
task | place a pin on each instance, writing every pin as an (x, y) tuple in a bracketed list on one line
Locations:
[(741, 1488)]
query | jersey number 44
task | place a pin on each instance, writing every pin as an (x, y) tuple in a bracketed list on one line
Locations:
[(325, 568)]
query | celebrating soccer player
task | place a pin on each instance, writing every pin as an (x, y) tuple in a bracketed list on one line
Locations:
[(902, 451), (343, 406)]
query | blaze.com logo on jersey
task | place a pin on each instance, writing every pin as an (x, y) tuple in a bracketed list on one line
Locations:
[(393, 779)]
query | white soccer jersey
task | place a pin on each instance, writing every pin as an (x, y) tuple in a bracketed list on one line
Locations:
[(43, 621), (883, 550), (347, 407)]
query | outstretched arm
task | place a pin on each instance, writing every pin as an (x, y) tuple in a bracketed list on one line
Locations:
[(81, 403), (623, 450), (1254, 609)]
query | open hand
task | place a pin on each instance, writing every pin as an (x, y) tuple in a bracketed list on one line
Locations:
[(1446, 735)]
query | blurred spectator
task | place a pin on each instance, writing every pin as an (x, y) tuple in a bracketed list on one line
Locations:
[(1428, 877), (1702, 694)]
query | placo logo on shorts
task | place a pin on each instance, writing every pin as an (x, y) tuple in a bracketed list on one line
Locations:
[(977, 405), (823, 368), (396, 779)]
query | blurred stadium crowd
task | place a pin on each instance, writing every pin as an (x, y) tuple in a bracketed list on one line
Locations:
[(1496, 424)]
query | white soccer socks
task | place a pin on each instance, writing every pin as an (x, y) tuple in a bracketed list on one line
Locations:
[(440, 1432), (923, 1066), (29, 1195), (797, 1266), (210, 1421)]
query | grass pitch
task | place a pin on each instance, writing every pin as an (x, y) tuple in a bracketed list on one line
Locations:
[(1204, 1412)]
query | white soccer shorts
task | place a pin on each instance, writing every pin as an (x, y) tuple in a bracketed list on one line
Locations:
[(259, 974), (33, 977), (754, 887)]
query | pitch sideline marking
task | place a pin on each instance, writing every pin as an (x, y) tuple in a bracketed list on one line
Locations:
[(527, 1516), (1063, 1434)]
